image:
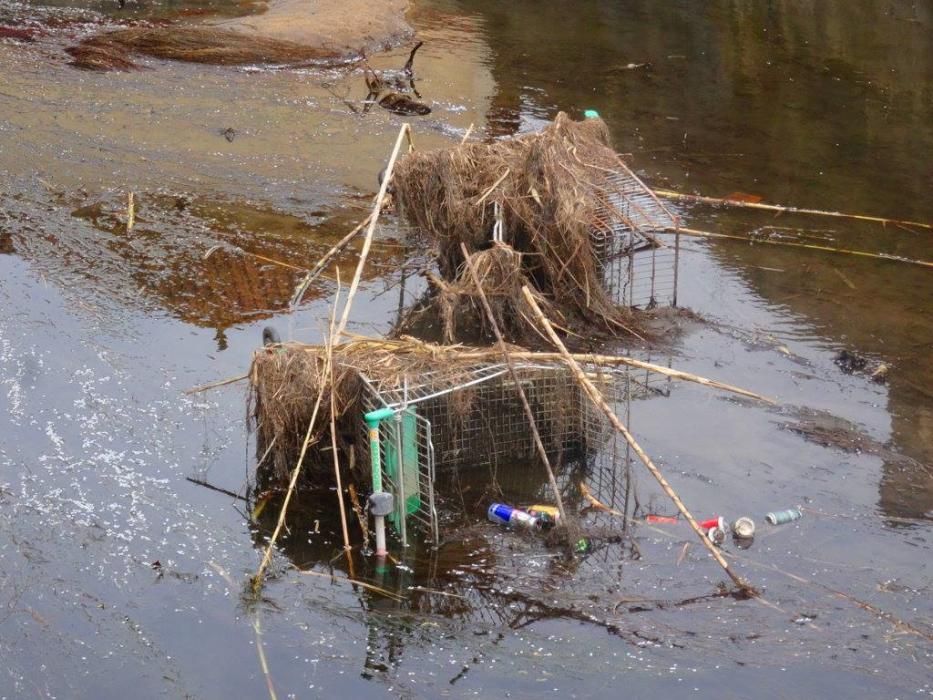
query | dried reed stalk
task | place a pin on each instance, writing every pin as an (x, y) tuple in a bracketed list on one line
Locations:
[(263, 664), (325, 260), (597, 398), (467, 134), (374, 217), (333, 429), (785, 209), (214, 385), (808, 246), (615, 360), (130, 212), (356, 582)]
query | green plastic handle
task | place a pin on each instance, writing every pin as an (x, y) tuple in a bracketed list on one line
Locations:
[(373, 419)]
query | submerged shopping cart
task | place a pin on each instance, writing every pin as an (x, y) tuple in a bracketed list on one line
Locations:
[(416, 429)]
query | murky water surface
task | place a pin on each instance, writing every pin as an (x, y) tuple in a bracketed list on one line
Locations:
[(118, 576)]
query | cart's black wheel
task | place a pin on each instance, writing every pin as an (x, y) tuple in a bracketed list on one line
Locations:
[(270, 336)]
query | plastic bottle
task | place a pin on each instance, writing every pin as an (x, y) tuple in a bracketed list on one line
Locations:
[(510, 516)]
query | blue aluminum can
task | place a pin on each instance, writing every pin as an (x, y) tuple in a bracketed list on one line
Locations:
[(503, 514)]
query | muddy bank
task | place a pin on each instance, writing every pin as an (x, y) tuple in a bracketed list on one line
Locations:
[(338, 26), (287, 32)]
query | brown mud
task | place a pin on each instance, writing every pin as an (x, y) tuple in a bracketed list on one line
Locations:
[(284, 32), (338, 26)]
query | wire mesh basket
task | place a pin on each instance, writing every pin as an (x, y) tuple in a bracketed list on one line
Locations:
[(444, 420), (639, 268)]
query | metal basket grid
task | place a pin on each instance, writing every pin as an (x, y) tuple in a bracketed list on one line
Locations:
[(639, 268), (447, 420)]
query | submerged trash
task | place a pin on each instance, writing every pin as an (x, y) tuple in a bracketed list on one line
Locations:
[(662, 519), (743, 528), (548, 516), (781, 517), (716, 521), (850, 362), (716, 535), (880, 375), (397, 103), (502, 514)]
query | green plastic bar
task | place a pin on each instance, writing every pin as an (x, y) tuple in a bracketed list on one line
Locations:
[(373, 419)]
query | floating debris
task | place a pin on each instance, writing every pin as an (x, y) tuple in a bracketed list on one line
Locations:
[(782, 517), (743, 528)]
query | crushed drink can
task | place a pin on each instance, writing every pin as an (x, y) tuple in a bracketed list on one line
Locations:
[(780, 517), (510, 516), (718, 521), (716, 535), (743, 528)]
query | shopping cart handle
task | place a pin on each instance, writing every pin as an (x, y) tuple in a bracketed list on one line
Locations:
[(374, 418)]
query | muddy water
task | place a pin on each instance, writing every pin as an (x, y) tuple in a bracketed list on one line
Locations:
[(101, 331)]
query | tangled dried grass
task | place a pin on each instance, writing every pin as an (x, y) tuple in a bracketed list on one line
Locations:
[(286, 379), (114, 50), (284, 384), (458, 307), (548, 186)]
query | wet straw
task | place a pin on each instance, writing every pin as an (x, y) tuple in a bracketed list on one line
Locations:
[(596, 397)]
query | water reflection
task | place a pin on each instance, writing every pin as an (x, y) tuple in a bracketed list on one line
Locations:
[(215, 264), (825, 105)]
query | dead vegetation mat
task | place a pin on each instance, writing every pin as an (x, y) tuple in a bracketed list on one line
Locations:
[(548, 187)]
